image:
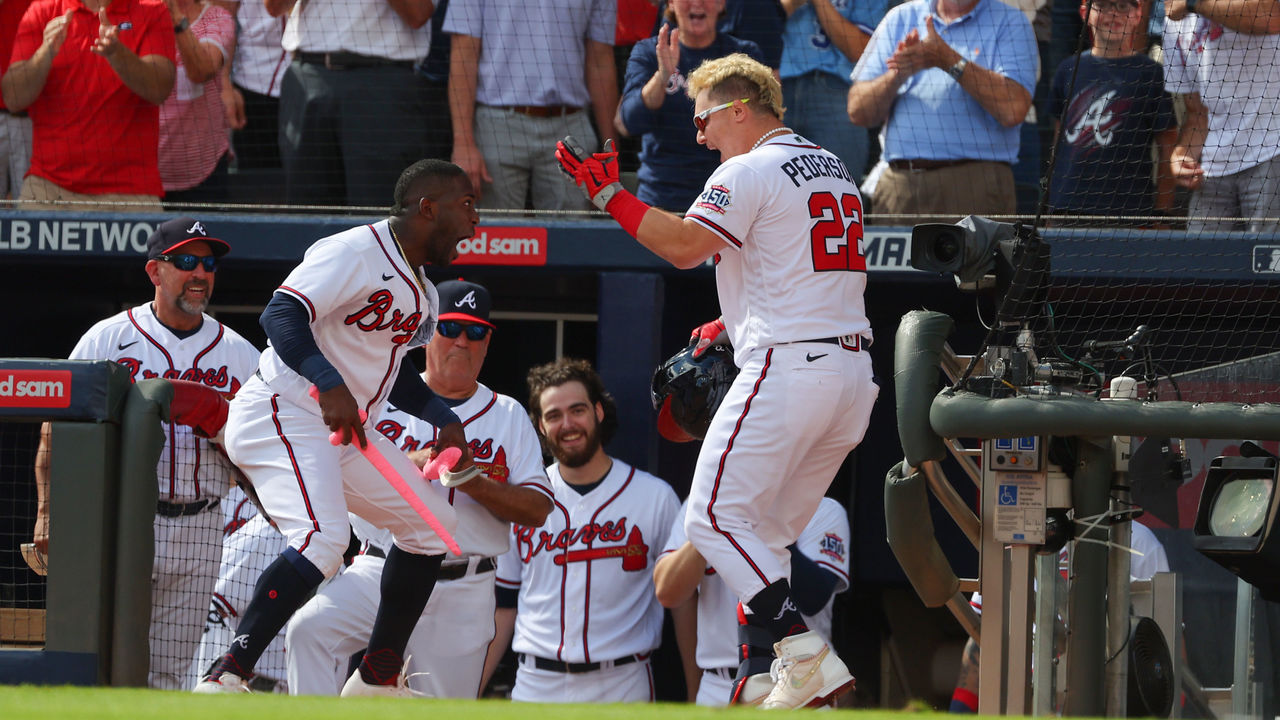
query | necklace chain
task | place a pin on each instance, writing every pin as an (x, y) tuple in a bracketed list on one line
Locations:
[(413, 270), (770, 134)]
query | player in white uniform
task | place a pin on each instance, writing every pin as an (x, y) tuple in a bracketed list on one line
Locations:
[(171, 337), (783, 219), (342, 322), (820, 570), (447, 649), (249, 545), (586, 620)]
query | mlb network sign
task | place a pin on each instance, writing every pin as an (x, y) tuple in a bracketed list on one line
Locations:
[(35, 389)]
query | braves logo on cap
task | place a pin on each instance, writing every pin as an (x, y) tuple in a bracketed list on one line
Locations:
[(469, 300), (196, 227)]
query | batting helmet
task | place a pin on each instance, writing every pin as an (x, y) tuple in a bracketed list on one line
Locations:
[(687, 391)]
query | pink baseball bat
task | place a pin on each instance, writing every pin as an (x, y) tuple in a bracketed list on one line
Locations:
[(375, 458)]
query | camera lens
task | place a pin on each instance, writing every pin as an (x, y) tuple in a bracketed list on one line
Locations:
[(947, 248)]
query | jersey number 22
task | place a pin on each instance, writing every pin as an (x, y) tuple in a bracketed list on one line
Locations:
[(836, 237)]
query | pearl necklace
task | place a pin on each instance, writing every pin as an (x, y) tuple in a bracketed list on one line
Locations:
[(770, 134)]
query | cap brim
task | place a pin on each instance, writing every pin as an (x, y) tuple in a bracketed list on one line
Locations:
[(667, 426), (218, 246), (466, 318)]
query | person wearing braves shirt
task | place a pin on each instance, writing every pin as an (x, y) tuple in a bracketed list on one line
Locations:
[(819, 570), (578, 592), (172, 337), (339, 327), (783, 219), (447, 649)]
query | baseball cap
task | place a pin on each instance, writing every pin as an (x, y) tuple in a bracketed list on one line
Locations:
[(173, 234), (466, 301)]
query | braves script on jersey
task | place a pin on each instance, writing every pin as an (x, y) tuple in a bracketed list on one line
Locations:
[(215, 355), (755, 202), (357, 279), (586, 576)]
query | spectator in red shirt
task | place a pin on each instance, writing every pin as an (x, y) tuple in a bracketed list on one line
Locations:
[(15, 127), (92, 74)]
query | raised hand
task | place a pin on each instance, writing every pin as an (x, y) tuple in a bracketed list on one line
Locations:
[(596, 174), (668, 51), (108, 42), (55, 32)]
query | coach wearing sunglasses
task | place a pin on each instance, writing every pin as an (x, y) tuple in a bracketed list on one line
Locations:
[(172, 337)]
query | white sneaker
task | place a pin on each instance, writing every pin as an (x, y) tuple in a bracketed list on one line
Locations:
[(225, 683), (754, 690), (809, 673)]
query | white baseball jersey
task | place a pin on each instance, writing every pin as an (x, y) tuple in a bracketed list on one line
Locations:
[(825, 540), (357, 279), (215, 356), (585, 578), (260, 61), (187, 547), (792, 269), (447, 649), (790, 280), (367, 307)]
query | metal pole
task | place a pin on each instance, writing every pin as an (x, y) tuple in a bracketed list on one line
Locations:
[(1086, 632)]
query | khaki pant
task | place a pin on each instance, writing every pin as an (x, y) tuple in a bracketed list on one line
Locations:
[(947, 194), (40, 194)]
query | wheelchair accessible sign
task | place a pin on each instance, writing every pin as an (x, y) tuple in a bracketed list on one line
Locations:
[(1019, 508)]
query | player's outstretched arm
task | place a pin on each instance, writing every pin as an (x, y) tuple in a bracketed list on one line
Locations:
[(504, 625), (513, 503), (681, 242)]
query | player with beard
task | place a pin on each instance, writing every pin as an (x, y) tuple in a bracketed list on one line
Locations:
[(172, 337), (577, 593)]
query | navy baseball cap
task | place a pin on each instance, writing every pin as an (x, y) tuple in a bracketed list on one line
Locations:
[(173, 234), (465, 301)]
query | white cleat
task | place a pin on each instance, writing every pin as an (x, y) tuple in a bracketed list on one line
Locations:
[(754, 690), (225, 683), (809, 673), (357, 687)]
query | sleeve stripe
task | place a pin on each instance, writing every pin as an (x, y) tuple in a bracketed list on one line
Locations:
[(305, 300), (838, 571), (708, 224)]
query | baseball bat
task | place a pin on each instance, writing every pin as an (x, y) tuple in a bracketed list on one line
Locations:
[(375, 458)]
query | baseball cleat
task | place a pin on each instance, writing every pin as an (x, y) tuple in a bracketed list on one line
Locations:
[(809, 673), (752, 691), (224, 683), (357, 687)]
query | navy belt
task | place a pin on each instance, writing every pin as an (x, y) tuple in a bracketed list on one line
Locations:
[(348, 60), (570, 667), (184, 509)]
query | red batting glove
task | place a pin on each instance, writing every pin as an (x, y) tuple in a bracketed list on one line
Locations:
[(596, 174), (708, 334)]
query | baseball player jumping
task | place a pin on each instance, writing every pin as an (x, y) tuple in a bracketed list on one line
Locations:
[(783, 218), (447, 649), (172, 337), (341, 323)]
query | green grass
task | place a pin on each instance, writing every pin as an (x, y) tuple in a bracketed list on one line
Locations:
[(67, 703)]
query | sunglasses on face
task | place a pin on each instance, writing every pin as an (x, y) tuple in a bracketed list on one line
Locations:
[(187, 262), (700, 120), (452, 329), (1115, 7)]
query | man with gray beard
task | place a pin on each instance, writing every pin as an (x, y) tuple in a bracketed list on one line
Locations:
[(172, 337)]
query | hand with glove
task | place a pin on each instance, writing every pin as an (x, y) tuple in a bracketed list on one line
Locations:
[(596, 174), (708, 334)]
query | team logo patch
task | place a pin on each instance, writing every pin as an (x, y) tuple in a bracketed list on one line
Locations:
[(832, 546), (716, 198)]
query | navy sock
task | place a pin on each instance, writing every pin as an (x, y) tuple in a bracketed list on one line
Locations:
[(773, 610), (407, 581), (281, 590)]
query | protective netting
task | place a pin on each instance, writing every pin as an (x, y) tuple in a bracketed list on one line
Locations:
[(22, 591)]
